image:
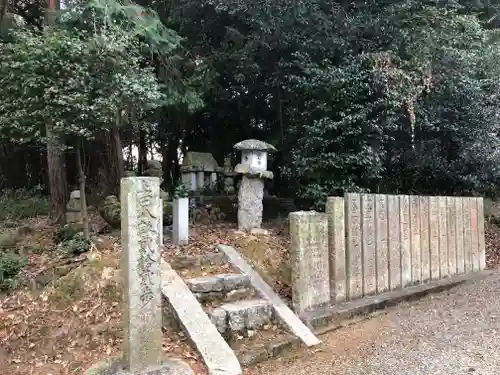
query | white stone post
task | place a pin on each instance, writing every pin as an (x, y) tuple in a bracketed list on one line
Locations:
[(180, 218), (141, 212), (200, 180)]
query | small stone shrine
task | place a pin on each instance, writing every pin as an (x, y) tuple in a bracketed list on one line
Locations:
[(74, 208), (253, 167), (199, 170)]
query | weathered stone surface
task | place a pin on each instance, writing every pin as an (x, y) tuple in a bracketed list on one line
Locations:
[(180, 221), (234, 281), (254, 144), (205, 284), (218, 316), (294, 324), (404, 225), (394, 242), (443, 238), (336, 248), (452, 235), (368, 244), (467, 235), (309, 260), (474, 234), (382, 243), (480, 230), (199, 161), (354, 254), (140, 218), (250, 195), (248, 314), (114, 366), (424, 238), (434, 236), (203, 333), (415, 242), (459, 221)]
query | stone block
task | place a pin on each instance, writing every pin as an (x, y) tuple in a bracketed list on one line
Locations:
[(468, 266), (354, 255), (394, 242), (336, 248), (205, 284), (452, 234), (443, 238), (218, 316), (434, 237), (368, 244), (425, 252), (415, 241), (459, 222), (140, 218), (480, 231), (474, 234), (180, 221), (382, 243), (310, 261), (404, 225), (234, 281), (250, 195)]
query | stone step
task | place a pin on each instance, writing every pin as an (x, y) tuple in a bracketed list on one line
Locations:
[(241, 316), (221, 283)]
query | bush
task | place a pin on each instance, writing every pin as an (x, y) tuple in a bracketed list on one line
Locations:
[(20, 203), (10, 266)]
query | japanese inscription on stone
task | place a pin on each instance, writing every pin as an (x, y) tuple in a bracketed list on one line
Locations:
[(452, 234), (368, 244), (416, 269), (336, 248), (424, 238), (434, 237), (459, 222), (474, 234), (381, 241), (404, 216), (467, 235), (354, 255), (443, 238), (394, 242)]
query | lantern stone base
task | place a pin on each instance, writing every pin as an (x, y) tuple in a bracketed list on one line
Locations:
[(113, 366), (250, 206)]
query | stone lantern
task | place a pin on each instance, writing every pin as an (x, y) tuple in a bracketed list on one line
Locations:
[(253, 167)]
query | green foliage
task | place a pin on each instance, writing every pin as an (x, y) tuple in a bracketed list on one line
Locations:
[(181, 190), (76, 245), (10, 266), (20, 203), (65, 233)]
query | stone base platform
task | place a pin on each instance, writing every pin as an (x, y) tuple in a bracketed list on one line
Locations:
[(113, 366)]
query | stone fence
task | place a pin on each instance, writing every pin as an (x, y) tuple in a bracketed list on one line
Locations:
[(367, 244)]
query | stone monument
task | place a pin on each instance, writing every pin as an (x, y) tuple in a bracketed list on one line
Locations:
[(199, 170), (253, 167), (74, 208), (141, 217)]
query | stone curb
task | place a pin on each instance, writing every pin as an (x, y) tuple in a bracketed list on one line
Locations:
[(349, 313)]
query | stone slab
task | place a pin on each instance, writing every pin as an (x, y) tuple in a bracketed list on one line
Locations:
[(114, 366), (381, 243), (203, 334), (480, 229), (336, 248), (354, 259), (415, 242), (292, 321), (451, 218), (424, 238), (468, 267), (368, 244), (404, 224), (459, 232), (434, 237), (474, 234), (140, 236), (443, 238), (180, 221), (394, 242), (310, 261), (250, 207)]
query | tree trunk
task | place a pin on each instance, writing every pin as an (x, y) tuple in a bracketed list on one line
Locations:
[(83, 197), (112, 162), (142, 152), (58, 184)]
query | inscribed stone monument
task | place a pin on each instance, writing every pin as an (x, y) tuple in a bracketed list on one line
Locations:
[(480, 230), (415, 242), (459, 222), (452, 235), (368, 244), (381, 241), (443, 238), (404, 217), (336, 248), (354, 254), (394, 242), (434, 237), (467, 235), (425, 252), (310, 261), (474, 234)]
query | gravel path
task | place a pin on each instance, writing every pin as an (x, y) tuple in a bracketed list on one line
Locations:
[(452, 333)]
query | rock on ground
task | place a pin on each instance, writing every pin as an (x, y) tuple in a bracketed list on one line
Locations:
[(452, 333)]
